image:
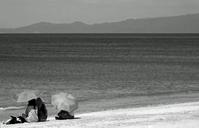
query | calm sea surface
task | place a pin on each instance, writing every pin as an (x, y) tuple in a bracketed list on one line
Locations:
[(98, 66)]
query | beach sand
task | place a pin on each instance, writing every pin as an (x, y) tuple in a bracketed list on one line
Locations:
[(155, 111), (180, 115)]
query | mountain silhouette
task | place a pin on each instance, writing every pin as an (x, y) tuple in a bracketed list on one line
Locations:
[(173, 24)]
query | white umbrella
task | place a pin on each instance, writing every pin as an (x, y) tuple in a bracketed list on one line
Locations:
[(64, 101), (25, 96)]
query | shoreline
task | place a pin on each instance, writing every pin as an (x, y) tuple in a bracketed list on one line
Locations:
[(179, 115), (117, 103)]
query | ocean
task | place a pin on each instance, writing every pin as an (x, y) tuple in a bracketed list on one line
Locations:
[(97, 66)]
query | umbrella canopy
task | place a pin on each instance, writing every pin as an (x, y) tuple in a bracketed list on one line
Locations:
[(26, 96), (64, 101)]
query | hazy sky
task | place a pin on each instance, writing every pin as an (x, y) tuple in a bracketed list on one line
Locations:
[(14, 13)]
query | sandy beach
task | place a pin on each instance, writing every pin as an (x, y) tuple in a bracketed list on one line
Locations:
[(179, 115)]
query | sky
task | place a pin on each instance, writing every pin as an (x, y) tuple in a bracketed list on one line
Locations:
[(16, 13)]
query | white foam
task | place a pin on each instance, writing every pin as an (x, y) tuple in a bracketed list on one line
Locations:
[(11, 108)]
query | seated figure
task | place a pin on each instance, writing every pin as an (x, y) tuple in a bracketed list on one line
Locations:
[(35, 112)]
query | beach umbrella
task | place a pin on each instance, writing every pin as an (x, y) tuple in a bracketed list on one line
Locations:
[(25, 96), (64, 101)]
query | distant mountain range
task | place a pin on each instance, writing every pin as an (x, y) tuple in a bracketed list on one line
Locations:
[(174, 24)]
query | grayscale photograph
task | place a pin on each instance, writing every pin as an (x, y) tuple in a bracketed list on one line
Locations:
[(99, 63)]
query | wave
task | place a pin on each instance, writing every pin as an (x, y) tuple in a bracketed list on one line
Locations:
[(11, 108)]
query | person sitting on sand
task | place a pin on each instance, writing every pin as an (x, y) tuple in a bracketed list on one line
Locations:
[(31, 111), (35, 112)]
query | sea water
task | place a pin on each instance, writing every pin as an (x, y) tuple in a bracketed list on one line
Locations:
[(97, 66)]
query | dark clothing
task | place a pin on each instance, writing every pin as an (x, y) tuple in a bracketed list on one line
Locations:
[(42, 111), (32, 103)]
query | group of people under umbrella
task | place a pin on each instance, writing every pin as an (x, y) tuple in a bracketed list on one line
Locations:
[(36, 110)]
